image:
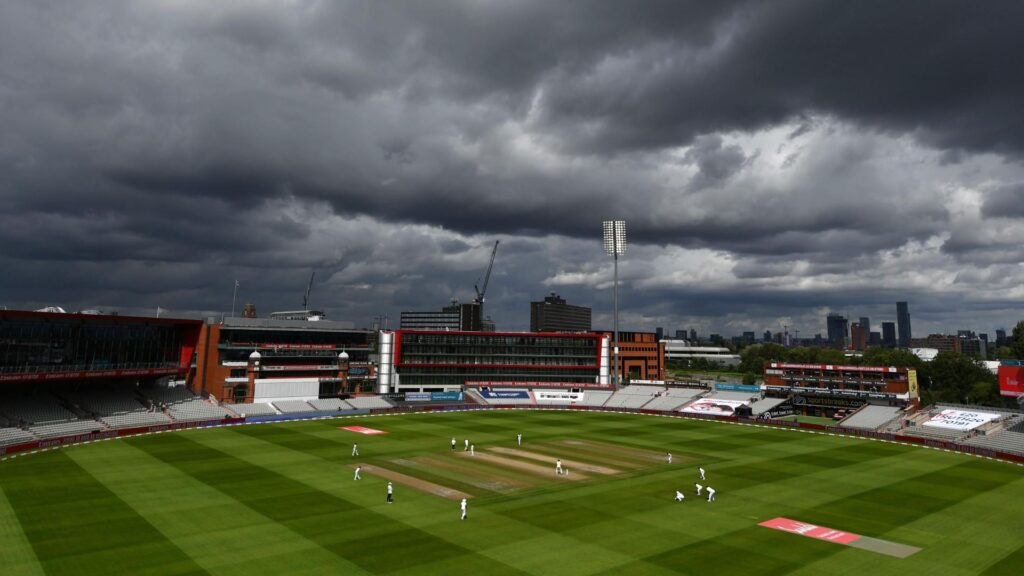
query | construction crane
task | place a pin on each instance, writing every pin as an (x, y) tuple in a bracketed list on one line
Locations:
[(305, 298), (481, 292)]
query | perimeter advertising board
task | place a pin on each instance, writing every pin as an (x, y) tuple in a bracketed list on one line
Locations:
[(716, 406), (504, 394), (962, 420), (551, 396), (1011, 380)]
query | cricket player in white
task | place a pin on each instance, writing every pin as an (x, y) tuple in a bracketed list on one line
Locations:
[(699, 488), (358, 468), (355, 449), (519, 439), (453, 443), (701, 470), (472, 452), (679, 496), (558, 467), (466, 449), (391, 493), (463, 505), (669, 458), (711, 494)]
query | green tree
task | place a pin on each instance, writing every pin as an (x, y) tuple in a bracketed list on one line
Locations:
[(1017, 342), (952, 377)]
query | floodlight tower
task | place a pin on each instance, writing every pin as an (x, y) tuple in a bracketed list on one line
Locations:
[(615, 245)]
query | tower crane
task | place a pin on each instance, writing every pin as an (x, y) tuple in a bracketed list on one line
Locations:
[(481, 292)]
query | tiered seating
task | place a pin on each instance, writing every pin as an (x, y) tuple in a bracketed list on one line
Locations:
[(871, 417), (35, 409), (10, 436), (933, 432), (673, 398), (595, 397), (184, 406), (254, 409), (633, 396), (330, 404), (738, 396), (55, 430), (118, 407), (1004, 441), (369, 402), (293, 406), (765, 404)]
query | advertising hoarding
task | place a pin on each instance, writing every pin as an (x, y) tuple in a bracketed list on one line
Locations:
[(1011, 380), (960, 419), (716, 406)]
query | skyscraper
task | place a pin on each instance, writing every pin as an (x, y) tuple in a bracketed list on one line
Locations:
[(858, 336), (865, 323), (903, 324), (889, 334), (553, 314), (837, 329)]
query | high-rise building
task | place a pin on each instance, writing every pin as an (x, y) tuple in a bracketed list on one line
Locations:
[(693, 334), (903, 325), (889, 334), (1001, 337), (464, 317), (858, 336), (837, 329), (865, 323), (680, 334), (659, 333), (767, 335), (553, 314)]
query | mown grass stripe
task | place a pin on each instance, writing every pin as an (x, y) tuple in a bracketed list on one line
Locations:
[(351, 531), (227, 526), (16, 555), (77, 525)]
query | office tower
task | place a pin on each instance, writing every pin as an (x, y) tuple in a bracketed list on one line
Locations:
[(904, 333)]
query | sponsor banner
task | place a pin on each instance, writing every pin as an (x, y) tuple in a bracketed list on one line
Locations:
[(417, 396), (363, 430), (23, 377), (715, 406), (810, 530), (738, 387), (284, 367), (778, 412), (960, 419), (555, 395), (446, 396), (502, 394), (655, 382), (501, 384), (833, 367), (912, 387), (1011, 380), (828, 401)]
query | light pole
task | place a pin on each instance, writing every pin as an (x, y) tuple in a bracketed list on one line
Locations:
[(614, 245), (233, 294)]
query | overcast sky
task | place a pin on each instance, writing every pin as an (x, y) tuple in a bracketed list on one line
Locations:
[(774, 161)]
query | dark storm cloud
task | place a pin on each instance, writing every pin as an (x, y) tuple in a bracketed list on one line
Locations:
[(157, 151)]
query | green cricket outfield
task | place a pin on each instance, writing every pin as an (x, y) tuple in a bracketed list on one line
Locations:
[(281, 499)]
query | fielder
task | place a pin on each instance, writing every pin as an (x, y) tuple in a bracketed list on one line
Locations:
[(699, 488), (358, 468), (711, 494), (679, 496), (463, 505), (701, 470), (391, 493), (466, 449), (472, 452), (558, 467), (519, 439), (669, 458), (453, 443), (355, 449)]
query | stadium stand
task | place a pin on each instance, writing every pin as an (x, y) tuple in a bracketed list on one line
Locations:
[(254, 409), (368, 402), (330, 404), (595, 397), (871, 417), (507, 401), (1003, 440), (184, 406), (673, 398), (765, 404), (39, 408), (633, 396), (117, 407), (292, 406), (11, 435), (737, 396), (56, 430)]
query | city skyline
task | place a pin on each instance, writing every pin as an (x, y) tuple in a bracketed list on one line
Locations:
[(154, 156)]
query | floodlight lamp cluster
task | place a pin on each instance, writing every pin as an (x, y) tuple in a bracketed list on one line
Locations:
[(615, 237)]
